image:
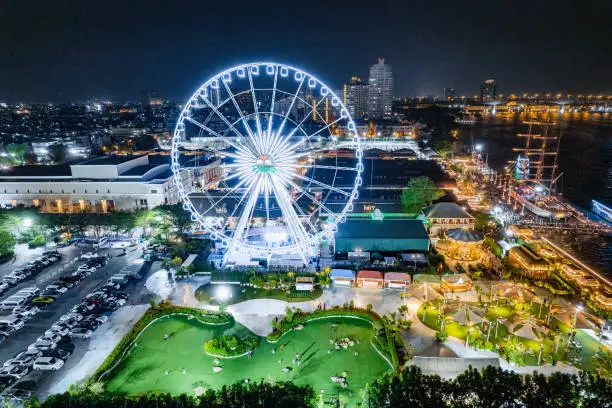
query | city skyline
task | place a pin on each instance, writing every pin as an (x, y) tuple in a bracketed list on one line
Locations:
[(76, 53)]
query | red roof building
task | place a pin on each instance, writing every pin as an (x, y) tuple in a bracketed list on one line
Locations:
[(370, 279)]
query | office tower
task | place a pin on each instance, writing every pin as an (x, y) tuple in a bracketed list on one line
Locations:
[(488, 90), (449, 94), (380, 91), (354, 96)]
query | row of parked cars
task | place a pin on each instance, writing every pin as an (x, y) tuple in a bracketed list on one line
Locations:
[(32, 268), (50, 351)]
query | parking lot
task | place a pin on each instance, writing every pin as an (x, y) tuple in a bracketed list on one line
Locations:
[(132, 291)]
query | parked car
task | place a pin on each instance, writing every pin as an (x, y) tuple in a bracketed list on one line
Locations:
[(61, 330), (6, 330), (3, 286), (48, 363), (80, 333), (57, 288), (23, 358), (26, 310), (15, 371), (7, 381), (69, 316), (18, 394), (54, 338), (50, 293), (43, 345)]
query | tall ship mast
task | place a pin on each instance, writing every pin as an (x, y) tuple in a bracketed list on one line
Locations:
[(537, 160), (532, 177)]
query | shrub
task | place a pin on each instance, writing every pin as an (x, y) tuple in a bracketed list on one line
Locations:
[(228, 346), (441, 336), (37, 241)]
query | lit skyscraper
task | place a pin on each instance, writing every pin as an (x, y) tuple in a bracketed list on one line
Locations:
[(488, 90), (380, 91), (355, 95)]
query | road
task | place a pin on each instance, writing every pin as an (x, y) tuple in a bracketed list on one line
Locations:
[(36, 326)]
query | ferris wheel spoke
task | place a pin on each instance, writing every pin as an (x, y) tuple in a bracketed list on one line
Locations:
[(209, 130), (271, 118), (287, 179), (222, 117), (319, 166), (255, 108), (256, 145), (300, 236), (304, 215), (321, 184), (307, 138), (232, 190), (313, 110), (278, 136), (247, 211)]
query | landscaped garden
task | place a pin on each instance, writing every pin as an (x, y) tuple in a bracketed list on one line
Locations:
[(230, 294), (333, 355), (522, 332)]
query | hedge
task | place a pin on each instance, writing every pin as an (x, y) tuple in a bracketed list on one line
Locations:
[(385, 344), (151, 314)]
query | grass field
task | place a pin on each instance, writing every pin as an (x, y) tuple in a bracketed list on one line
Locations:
[(236, 293), (182, 355), (581, 358)]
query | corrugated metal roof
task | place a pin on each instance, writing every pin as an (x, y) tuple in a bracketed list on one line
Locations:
[(369, 275), (446, 210)]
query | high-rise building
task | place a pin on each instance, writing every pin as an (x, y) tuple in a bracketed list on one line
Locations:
[(488, 90), (354, 95), (449, 94), (380, 91)]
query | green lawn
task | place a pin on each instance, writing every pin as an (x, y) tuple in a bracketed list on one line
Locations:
[(209, 293), (144, 369), (581, 357)]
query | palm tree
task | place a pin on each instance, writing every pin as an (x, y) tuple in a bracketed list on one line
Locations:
[(403, 309)]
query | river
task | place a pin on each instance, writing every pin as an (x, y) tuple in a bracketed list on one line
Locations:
[(585, 160)]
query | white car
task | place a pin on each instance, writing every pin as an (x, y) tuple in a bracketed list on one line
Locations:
[(88, 255), (60, 289), (43, 345), (3, 286), (80, 332), (54, 338), (59, 330), (26, 310), (102, 319), (48, 363), (68, 316)]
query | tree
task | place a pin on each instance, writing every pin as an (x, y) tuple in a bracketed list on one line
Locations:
[(57, 153), (17, 151), (7, 243), (177, 217), (420, 192)]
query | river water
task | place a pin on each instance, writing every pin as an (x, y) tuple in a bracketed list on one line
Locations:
[(585, 159)]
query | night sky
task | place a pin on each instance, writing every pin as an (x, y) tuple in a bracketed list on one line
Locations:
[(73, 50)]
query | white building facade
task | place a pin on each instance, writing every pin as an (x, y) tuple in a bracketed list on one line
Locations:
[(103, 184)]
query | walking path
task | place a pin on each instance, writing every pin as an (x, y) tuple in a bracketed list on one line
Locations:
[(257, 315), (101, 344)]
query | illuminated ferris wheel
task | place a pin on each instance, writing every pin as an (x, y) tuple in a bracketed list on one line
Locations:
[(290, 159)]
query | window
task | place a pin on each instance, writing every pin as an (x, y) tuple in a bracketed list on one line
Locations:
[(29, 191), (85, 191), (153, 191), (73, 191), (97, 191), (62, 191), (108, 191)]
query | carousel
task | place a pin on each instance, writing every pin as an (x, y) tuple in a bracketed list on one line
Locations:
[(461, 244)]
